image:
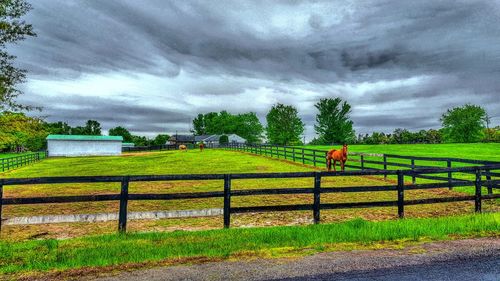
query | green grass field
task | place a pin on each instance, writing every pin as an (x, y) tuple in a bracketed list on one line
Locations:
[(479, 151), (475, 151), (7, 155), (176, 247), (210, 161)]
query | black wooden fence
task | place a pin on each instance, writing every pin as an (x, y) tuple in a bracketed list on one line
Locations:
[(365, 161), (227, 193), (13, 162), (167, 147), (149, 148)]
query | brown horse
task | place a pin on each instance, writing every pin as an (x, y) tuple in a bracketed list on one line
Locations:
[(183, 147), (336, 155), (202, 146)]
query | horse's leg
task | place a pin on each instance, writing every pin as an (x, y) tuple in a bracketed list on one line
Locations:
[(342, 165), (329, 164), (335, 165)]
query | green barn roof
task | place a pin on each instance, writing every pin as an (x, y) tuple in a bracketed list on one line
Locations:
[(84, 138)]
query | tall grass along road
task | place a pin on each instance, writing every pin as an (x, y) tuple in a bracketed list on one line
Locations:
[(119, 250), (450, 260)]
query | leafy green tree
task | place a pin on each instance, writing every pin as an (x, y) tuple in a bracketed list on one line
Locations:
[(160, 139), (464, 124), (78, 130), (199, 125), (401, 136), (20, 132), (210, 121), (248, 126), (332, 122), (223, 123), (140, 140), (121, 131), (433, 136), (58, 128), (492, 134), (377, 138), (12, 30), (284, 126), (93, 128)]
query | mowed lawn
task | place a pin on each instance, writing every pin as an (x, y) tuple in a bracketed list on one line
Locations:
[(210, 161), (475, 151), (194, 162), (479, 151), (8, 155)]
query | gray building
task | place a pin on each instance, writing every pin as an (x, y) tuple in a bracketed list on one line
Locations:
[(213, 140), (181, 139), (78, 145)]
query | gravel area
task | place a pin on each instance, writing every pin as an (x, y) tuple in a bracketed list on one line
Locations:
[(471, 259)]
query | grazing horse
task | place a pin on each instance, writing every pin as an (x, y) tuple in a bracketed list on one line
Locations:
[(183, 147), (336, 155)]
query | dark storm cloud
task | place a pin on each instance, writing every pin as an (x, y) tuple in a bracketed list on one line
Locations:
[(75, 110), (450, 48), (389, 122)]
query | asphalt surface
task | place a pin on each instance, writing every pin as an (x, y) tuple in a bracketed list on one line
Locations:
[(473, 259)]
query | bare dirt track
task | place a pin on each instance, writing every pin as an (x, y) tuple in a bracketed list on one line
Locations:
[(471, 259)]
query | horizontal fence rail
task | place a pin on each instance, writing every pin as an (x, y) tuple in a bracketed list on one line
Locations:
[(168, 147), (365, 161), (227, 192), (9, 163), (149, 148)]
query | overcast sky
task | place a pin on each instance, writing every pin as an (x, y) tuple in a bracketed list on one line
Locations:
[(151, 66)]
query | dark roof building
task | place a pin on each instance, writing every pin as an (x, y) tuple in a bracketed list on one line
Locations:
[(180, 139)]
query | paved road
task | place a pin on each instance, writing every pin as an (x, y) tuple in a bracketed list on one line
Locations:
[(473, 259), (484, 268)]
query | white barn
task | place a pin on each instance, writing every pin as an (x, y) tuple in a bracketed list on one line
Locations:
[(78, 145)]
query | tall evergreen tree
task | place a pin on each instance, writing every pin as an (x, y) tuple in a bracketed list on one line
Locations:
[(332, 122), (199, 125)]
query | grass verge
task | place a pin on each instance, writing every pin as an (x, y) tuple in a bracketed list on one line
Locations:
[(115, 250)]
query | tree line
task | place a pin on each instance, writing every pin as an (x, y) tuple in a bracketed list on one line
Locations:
[(245, 125), (284, 126), (468, 123), (463, 124), (19, 132)]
